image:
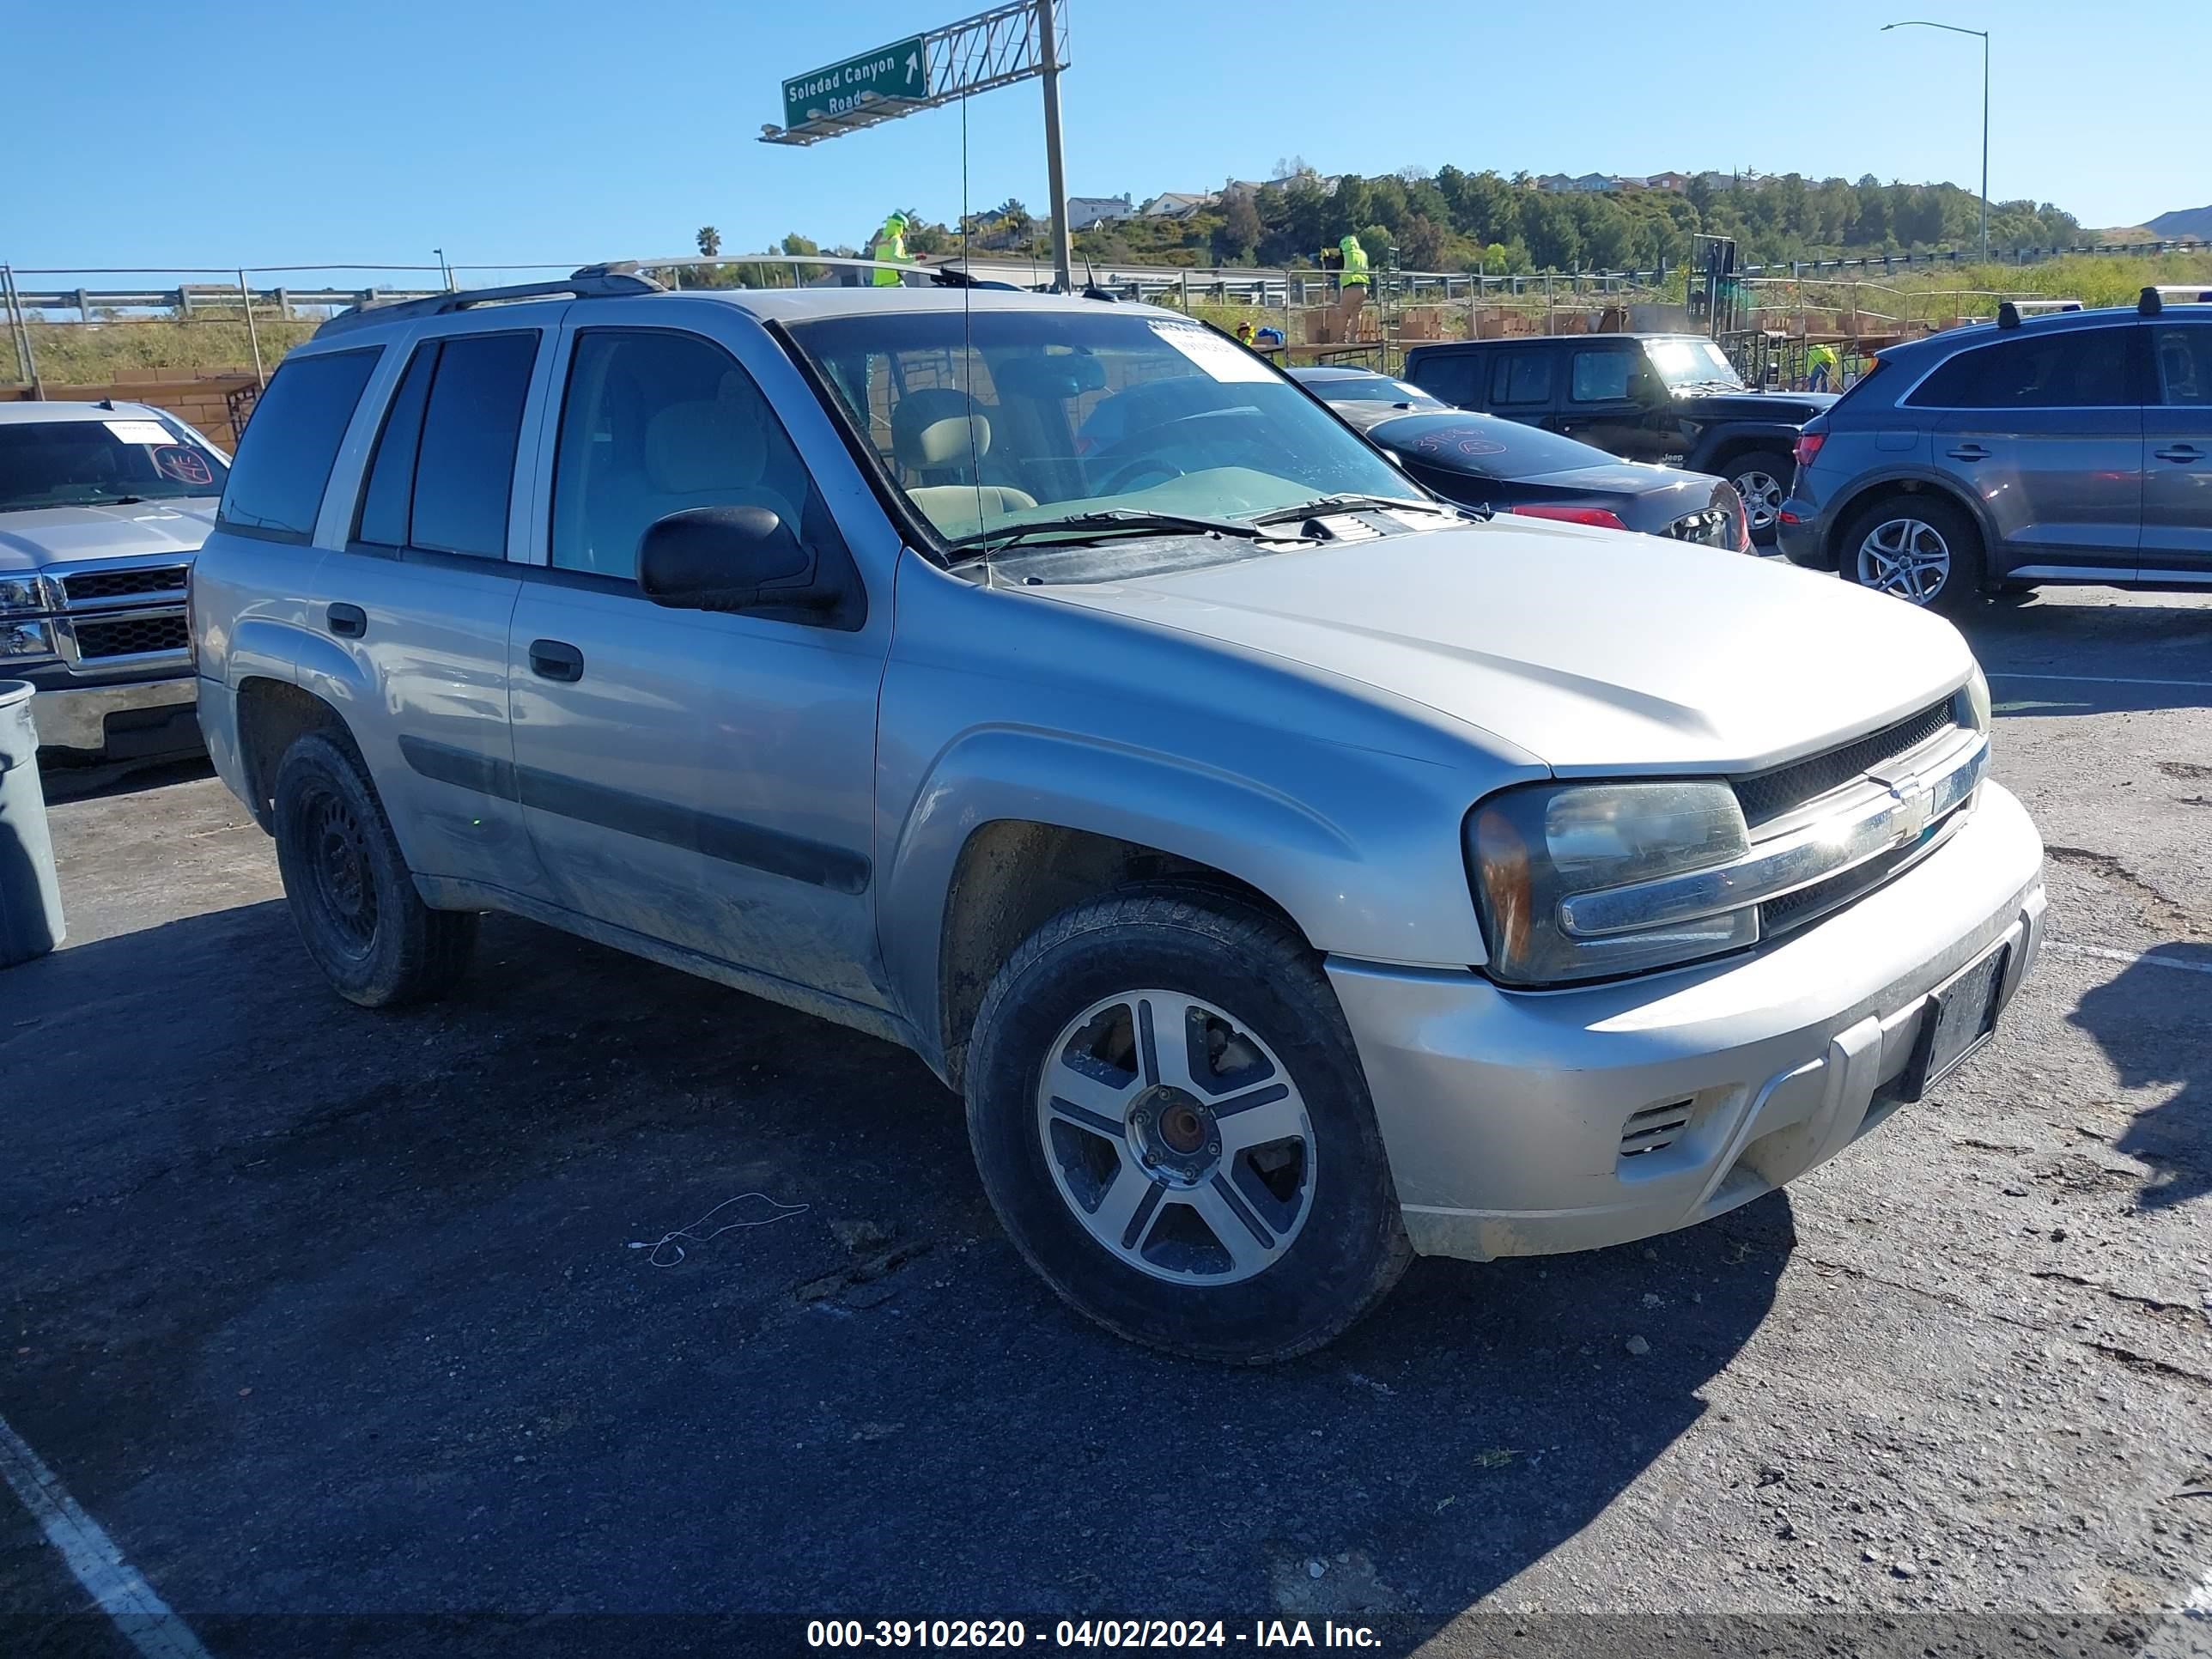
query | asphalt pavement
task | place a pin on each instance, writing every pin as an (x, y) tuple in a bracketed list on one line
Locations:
[(346, 1328)]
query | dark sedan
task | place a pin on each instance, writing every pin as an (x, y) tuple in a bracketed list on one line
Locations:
[(1484, 461)]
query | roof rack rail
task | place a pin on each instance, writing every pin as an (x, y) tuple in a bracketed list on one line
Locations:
[(591, 282), (2009, 312), (2155, 300)]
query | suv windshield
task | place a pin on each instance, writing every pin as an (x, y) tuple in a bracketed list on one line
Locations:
[(1692, 362), (1002, 418), (88, 462)]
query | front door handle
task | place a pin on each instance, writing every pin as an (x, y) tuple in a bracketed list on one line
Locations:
[(347, 621), (556, 660), (1969, 453), (2184, 452)]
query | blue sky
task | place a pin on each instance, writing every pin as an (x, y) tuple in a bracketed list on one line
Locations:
[(564, 130)]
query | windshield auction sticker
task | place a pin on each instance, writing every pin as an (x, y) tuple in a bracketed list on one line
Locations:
[(1224, 359), (140, 432)]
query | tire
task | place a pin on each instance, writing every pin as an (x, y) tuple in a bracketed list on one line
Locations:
[(1248, 1255), (351, 895), (1762, 478), (1946, 571)]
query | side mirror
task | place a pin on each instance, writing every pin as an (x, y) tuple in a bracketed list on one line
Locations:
[(728, 558)]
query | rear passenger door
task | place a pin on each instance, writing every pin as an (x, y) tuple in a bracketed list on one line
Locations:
[(2177, 535), (701, 778), (1522, 383), (2044, 428), (421, 593)]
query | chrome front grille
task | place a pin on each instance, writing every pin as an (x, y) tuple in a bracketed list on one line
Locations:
[(1766, 796), (95, 585), (129, 636)]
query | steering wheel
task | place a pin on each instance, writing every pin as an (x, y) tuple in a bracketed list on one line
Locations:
[(1143, 467), (1140, 445)]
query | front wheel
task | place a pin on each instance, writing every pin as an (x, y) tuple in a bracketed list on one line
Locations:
[(1173, 1126), (1917, 548), (1762, 478)]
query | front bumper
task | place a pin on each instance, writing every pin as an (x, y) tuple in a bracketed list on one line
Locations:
[(158, 718), (1504, 1112)]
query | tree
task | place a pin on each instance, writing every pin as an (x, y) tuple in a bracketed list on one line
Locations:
[(1237, 239), (1421, 244), (795, 243), (710, 241)]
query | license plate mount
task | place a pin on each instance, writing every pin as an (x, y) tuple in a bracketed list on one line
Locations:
[(1962, 1015)]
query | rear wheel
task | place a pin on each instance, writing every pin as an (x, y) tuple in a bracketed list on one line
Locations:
[(1918, 548), (351, 895), (1172, 1124), (1762, 478)]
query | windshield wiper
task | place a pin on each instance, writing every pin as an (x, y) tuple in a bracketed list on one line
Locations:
[(1322, 505), (1105, 521)]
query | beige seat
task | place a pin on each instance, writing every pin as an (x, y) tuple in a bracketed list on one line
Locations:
[(713, 453), (939, 438)]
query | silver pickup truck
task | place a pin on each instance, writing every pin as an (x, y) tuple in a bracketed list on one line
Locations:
[(1292, 871), (102, 506)]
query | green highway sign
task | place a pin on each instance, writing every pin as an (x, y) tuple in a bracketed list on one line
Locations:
[(898, 70)]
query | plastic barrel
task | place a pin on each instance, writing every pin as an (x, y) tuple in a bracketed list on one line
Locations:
[(30, 898)]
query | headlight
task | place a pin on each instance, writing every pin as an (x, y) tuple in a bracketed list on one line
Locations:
[(1978, 700), (20, 595), (24, 639), (1533, 850)]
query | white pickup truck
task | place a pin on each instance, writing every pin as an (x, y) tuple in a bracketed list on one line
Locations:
[(102, 506)]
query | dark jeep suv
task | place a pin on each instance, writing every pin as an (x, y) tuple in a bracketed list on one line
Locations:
[(2073, 446), (1672, 398)]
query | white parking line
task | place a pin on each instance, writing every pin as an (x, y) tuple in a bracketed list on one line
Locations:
[(112, 1583), (2129, 957), (2097, 680)]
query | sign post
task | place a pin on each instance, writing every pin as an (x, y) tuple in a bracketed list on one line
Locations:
[(1019, 41)]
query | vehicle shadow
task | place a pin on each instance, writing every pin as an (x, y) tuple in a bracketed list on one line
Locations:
[(2047, 656), (2149, 1022), (342, 1316), (72, 783)]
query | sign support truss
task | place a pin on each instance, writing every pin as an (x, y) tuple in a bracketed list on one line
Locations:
[(991, 49)]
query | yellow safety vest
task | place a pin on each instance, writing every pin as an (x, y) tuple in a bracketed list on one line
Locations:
[(889, 247), (1355, 269)]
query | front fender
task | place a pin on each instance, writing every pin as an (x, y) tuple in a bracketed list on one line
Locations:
[(1739, 435), (1365, 859)]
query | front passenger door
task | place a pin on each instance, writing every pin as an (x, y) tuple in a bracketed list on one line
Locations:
[(1612, 396), (697, 778)]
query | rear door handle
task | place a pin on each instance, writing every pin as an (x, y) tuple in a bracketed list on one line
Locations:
[(556, 660), (1969, 453), (347, 621), (2180, 452)]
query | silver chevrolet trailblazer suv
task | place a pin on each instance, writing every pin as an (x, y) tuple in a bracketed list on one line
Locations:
[(1293, 872)]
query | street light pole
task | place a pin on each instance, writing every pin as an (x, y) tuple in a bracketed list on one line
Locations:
[(1922, 23), (1063, 261)]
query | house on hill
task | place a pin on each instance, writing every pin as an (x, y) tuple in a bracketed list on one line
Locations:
[(1176, 205), (1084, 211)]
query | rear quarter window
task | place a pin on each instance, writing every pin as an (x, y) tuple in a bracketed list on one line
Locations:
[(284, 459), (1454, 379), (1521, 379)]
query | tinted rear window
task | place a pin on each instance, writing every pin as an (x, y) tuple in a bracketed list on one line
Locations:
[(1452, 379), (2080, 368), (284, 461), (384, 500), (465, 468), (1522, 378)]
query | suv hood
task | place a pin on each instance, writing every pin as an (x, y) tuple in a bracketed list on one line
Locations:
[(63, 535), (1598, 651), (1790, 408)]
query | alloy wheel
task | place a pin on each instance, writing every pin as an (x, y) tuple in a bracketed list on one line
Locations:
[(1762, 496), (1176, 1137), (1906, 558)]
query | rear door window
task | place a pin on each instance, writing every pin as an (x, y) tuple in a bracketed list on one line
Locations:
[(2182, 354), (284, 461), (1521, 379), (2079, 368), (464, 468)]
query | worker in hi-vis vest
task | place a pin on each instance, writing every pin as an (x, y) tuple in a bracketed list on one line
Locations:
[(1353, 285), (889, 244)]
